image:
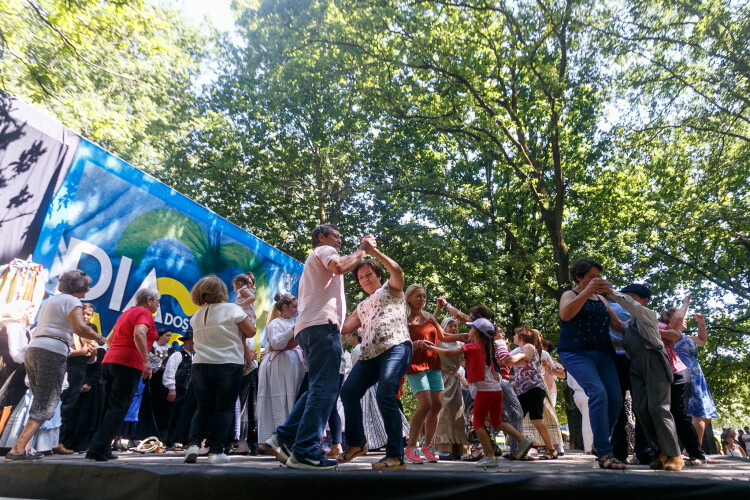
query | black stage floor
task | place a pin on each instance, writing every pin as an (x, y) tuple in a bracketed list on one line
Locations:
[(164, 476)]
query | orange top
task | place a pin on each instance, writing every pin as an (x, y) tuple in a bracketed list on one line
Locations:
[(424, 359)]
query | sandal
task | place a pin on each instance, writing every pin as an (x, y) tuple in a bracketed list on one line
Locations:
[(470, 457), (549, 455), (694, 462), (352, 453), (611, 463), (390, 463)]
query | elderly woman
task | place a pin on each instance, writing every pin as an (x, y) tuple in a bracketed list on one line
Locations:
[(700, 404), (586, 352), (385, 355), (450, 437), (126, 362), (46, 357), (219, 333)]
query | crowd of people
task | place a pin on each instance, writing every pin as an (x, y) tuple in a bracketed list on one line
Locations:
[(326, 388)]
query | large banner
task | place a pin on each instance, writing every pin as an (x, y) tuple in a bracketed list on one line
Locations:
[(127, 231)]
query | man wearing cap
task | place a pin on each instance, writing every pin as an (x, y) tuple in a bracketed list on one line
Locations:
[(177, 380), (650, 375)]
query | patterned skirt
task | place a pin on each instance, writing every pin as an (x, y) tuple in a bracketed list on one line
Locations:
[(550, 420)]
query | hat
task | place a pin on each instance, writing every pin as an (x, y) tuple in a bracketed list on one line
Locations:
[(186, 335), (447, 321), (162, 331), (638, 289), (483, 325)]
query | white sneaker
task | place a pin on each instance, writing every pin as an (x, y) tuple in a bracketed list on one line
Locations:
[(323, 463), (217, 458), (191, 454), (523, 448), (487, 462), (278, 449)]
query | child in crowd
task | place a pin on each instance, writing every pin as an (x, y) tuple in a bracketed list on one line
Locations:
[(244, 287), (484, 388)]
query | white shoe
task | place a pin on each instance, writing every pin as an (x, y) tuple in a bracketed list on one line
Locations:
[(296, 462), (278, 449), (487, 462), (217, 458), (191, 454), (523, 448)]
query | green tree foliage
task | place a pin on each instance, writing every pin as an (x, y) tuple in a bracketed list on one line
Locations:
[(279, 151), (513, 91), (118, 72)]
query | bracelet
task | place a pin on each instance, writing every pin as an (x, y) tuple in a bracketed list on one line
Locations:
[(448, 305)]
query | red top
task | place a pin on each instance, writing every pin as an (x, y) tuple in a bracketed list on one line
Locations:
[(122, 350), (425, 359), (475, 365)]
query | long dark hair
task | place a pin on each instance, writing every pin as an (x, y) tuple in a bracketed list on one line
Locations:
[(488, 345)]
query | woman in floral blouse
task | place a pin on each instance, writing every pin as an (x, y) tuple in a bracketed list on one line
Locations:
[(385, 356)]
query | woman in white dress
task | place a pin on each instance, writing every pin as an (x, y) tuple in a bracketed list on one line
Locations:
[(281, 371)]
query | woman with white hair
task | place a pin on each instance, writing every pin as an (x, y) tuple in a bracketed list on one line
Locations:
[(126, 362)]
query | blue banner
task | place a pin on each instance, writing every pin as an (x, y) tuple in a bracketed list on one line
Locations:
[(127, 231)]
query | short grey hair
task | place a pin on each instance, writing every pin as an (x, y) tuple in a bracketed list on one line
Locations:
[(75, 281), (142, 295)]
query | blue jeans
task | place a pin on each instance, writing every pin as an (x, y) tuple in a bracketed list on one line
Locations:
[(596, 373), (334, 421), (386, 370), (305, 425)]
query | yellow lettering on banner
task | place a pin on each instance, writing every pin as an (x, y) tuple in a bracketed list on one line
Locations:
[(170, 286)]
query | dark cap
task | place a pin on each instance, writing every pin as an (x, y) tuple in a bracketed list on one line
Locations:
[(162, 331), (186, 335), (484, 326), (638, 289)]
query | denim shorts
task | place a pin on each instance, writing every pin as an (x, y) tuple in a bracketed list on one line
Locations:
[(428, 380)]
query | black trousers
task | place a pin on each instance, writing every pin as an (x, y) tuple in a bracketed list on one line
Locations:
[(619, 434), (69, 398), (120, 384), (248, 404), (217, 388), (683, 423), (188, 406)]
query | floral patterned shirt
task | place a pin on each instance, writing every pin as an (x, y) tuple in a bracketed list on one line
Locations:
[(528, 376), (384, 323)]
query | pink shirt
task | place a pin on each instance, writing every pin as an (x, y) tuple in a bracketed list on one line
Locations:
[(321, 293), (674, 359)]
